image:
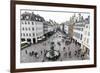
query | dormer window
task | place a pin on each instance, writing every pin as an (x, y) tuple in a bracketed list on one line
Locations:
[(21, 17), (36, 18), (39, 19), (27, 17)]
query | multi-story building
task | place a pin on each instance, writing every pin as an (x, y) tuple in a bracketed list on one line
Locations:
[(78, 29), (50, 28), (71, 26), (45, 28), (81, 33), (78, 32), (86, 36), (31, 27), (64, 27)]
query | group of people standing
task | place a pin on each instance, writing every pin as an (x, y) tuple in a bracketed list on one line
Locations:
[(33, 54)]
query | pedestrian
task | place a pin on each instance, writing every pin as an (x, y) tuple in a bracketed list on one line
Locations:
[(69, 54), (26, 51), (35, 54), (64, 49), (32, 52), (43, 60), (41, 52), (82, 56), (75, 53), (78, 53)]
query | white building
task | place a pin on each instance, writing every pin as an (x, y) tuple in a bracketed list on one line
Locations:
[(31, 27), (50, 27), (66, 25), (78, 32), (78, 29), (45, 28), (86, 36), (81, 33)]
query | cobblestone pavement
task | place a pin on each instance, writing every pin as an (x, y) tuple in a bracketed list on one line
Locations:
[(67, 53)]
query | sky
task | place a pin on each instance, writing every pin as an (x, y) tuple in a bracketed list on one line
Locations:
[(58, 16)]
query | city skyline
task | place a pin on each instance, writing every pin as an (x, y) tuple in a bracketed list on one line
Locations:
[(57, 16)]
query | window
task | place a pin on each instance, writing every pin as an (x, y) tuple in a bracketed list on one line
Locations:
[(22, 22), (23, 34), (29, 28), (28, 22), (39, 19), (26, 29), (27, 17), (86, 26), (36, 19), (33, 28), (23, 28), (21, 17), (36, 34), (32, 23), (29, 34), (33, 34)]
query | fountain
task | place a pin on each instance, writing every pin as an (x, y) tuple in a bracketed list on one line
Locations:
[(52, 54)]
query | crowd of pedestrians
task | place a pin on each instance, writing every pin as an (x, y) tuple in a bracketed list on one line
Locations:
[(68, 49)]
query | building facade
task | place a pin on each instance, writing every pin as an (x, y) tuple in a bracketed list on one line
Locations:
[(86, 36), (81, 33), (78, 29), (31, 27)]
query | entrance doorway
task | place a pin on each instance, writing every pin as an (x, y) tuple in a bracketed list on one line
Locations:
[(34, 41)]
